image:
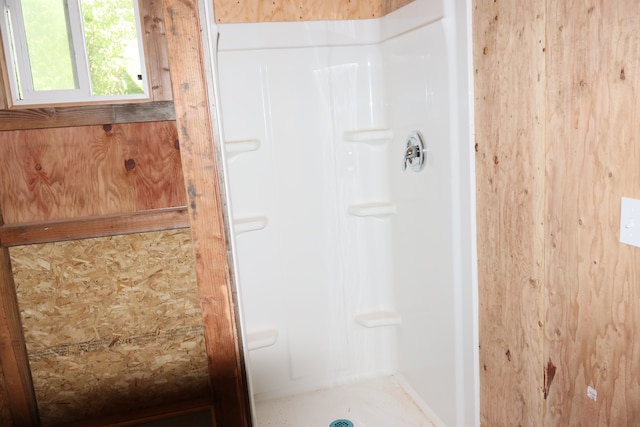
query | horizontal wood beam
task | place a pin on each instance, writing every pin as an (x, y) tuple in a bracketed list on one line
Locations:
[(91, 227), (85, 115), (147, 415)]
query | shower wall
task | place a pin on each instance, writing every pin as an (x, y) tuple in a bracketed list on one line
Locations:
[(350, 267)]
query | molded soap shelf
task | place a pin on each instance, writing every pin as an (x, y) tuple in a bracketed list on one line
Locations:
[(233, 148), (372, 136), (243, 225), (262, 339), (373, 209), (376, 319)]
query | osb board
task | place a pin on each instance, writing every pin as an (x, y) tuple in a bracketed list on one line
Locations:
[(111, 324), (509, 123), (5, 415), (227, 11), (91, 170), (593, 294)]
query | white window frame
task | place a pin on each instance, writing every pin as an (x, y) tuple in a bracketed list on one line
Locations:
[(15, 51)]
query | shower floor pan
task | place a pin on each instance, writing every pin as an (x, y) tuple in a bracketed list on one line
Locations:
[(380, 402)]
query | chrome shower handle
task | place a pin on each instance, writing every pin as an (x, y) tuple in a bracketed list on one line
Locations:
[(415, 153)]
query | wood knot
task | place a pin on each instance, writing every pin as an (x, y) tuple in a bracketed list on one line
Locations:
[(176, 144), (107, 128), (38, 167), (549, 373), (129, 164)]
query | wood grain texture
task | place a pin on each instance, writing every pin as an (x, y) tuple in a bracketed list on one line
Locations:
[(228, 11), (593, 298), (509, 119), (388, 6), (67, 173), (90, 227), (156, 50), (95, 114), (5, 414), (13, 352), (197, 132), (3, 79)]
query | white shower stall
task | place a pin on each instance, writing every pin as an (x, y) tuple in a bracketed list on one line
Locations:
[(356, 278)]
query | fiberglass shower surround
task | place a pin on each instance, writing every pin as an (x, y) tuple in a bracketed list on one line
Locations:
[(349, 267)]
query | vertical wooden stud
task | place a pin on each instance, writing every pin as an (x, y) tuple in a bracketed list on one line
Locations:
[(13, 351), (199, 169), (156, 50)]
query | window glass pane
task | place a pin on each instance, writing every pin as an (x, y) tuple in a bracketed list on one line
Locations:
[(48, 41), (111, 38)]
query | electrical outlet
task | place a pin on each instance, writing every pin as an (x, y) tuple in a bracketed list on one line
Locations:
[(630, 222)]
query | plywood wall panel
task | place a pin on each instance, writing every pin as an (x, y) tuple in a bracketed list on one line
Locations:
[(593, 297), (228, 11), (111, 324), (389, 6), (509, 113), (91, 170)]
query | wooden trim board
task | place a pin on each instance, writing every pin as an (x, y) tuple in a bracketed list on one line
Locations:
[(91, 227), (85, 115)]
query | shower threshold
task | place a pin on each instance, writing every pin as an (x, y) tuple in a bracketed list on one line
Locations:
[(379, 402)]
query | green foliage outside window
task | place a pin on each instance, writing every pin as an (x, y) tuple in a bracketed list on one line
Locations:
[(110, 40), (50, 52)]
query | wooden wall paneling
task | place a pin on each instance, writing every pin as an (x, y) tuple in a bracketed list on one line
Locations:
[(593, 298), (227, 11), (197, 132), (66, 173), (291, 10), (156, 50), (13, 352), (388, 6), (509, 63)]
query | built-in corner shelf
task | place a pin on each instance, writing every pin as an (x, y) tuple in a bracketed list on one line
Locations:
[(262, 339), (373, 209), (375, 319), (370, 136), (244, 225), (233, 148)]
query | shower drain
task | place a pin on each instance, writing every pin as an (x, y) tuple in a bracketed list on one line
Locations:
[(341, 423)]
